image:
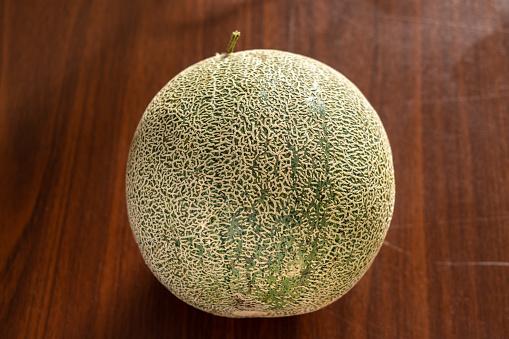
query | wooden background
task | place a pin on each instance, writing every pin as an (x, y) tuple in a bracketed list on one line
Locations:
[(76, 76)]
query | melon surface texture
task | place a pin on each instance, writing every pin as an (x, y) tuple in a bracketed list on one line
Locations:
[(259, 183)]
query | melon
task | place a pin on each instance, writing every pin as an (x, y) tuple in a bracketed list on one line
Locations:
[(259, 183)]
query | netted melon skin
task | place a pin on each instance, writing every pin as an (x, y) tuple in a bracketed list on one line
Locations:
[(259, 184)]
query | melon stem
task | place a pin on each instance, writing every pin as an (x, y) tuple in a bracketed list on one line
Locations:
[(233, 40)]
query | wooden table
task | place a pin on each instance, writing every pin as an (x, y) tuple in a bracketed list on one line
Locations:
[(76, 76)]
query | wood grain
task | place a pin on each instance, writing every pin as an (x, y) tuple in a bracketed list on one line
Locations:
[(76, 76)]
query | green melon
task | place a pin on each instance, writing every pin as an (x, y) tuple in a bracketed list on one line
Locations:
[(259, 184)]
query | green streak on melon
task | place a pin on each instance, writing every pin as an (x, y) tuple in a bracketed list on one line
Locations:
[(259, 184)]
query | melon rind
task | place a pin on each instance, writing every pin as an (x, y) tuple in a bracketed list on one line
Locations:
[(259, 184)]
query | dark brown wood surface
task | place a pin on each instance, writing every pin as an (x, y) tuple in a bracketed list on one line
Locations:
[(76, 76)]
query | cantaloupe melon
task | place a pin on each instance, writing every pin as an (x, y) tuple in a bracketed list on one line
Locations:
[(259, 183)]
